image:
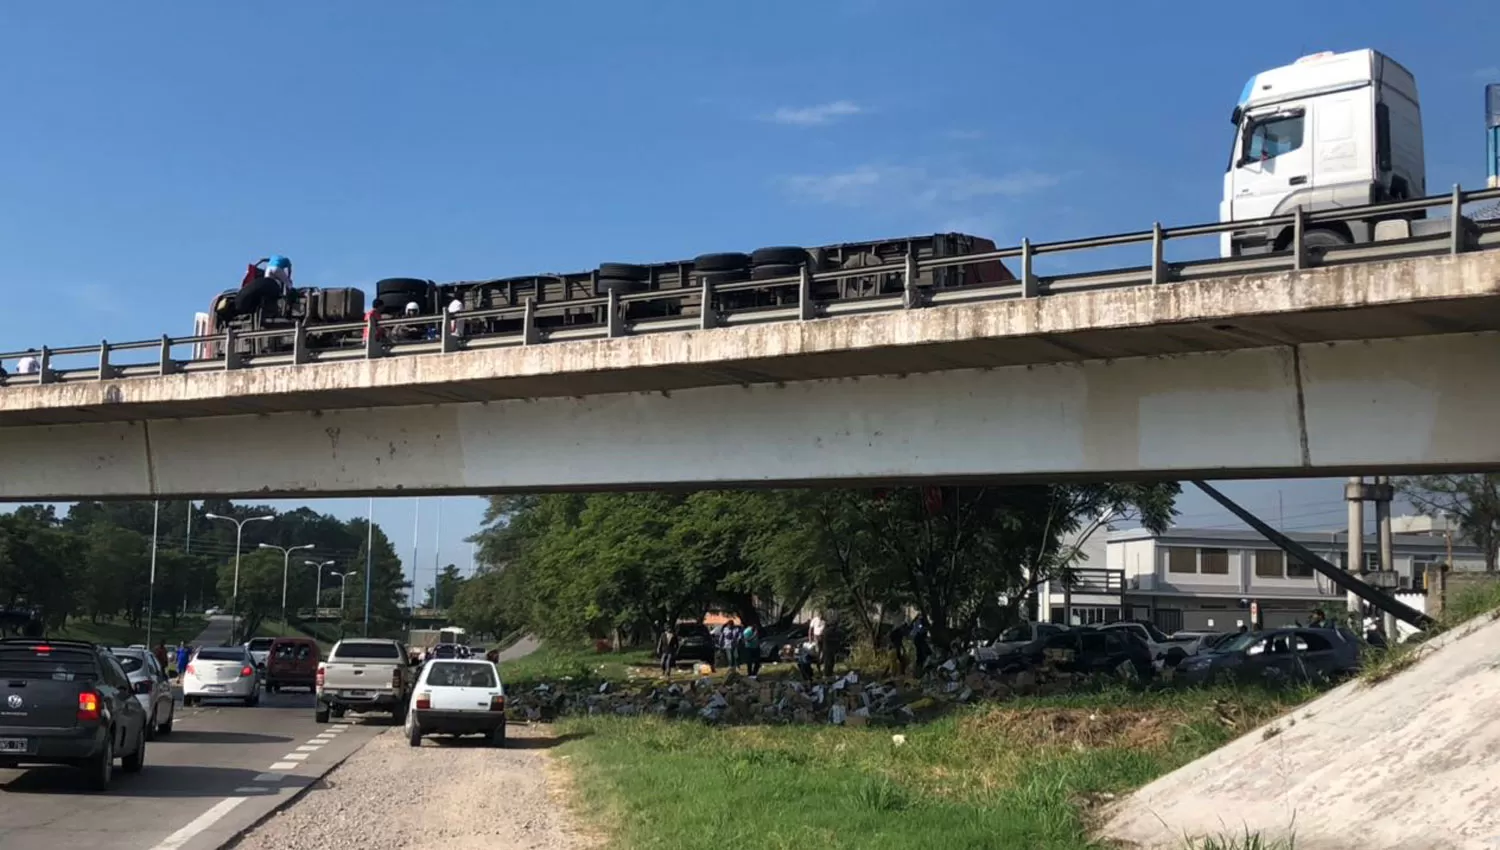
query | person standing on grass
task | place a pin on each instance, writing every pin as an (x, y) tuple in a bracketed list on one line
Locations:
[(921, 642), (666, 649), (182, 659), (898, 645), (750, 648), (729, 644)]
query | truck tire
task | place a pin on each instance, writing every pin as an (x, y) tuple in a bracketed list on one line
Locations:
[(624, 271), (101, 768), (781, 255), (771, 272), (320, 714), (721, 262), (1322, 239), (399, 714), (618, 284), (396, 292), (714, 278)]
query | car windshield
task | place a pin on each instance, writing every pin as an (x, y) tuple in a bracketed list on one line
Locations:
[(59, 665), (367, 650), (448, 674), (130, 661), (1156, 635), (261, 644), (1014, 634), (1239, 643), (227, 653), (292, 652)]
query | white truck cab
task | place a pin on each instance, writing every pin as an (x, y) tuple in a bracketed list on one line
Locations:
[(1330, 130)]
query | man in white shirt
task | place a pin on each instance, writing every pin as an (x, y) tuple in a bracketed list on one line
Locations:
[(28, 365)]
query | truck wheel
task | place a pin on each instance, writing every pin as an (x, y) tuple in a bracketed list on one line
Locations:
[(624, 271), (721, 262), (399, 713), (771, 271), (781, 255), (618, 284), (320, 714), (101, 768), (497, 737), (136, 760)]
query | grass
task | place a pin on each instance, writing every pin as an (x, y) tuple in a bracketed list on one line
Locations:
[(120, 633), (1461, 607), (580, 664), (277, 628), (1024, 773)]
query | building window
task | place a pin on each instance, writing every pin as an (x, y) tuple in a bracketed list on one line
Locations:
[(1181, 559), (1372, 562), (1214, 562), (1420, 566), (1270, 564), (1296, 568)]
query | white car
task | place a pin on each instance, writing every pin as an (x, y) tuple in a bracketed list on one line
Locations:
[(221, 672), (260, 650), (153, 690), (457, 697)]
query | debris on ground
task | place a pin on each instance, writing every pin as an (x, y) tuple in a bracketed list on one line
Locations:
[(848, 700)]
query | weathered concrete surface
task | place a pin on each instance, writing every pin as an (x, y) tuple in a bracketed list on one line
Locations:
[(1392, 405), (1415, 297), (1412, 763)]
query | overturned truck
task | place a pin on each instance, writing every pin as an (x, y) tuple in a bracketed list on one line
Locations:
[(332, 318)]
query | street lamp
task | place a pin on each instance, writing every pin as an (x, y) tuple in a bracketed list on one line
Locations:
[(318, 594), (234, 597), (343, 587), (286, 564)]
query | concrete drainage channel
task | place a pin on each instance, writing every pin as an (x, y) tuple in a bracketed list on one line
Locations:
[(226, 823)]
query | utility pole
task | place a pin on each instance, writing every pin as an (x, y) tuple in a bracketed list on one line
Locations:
[(1387, 543), (151, 590), (369, 565), (318, 592), (234, 596), (1354, 493), (437, 554), (286, 567)]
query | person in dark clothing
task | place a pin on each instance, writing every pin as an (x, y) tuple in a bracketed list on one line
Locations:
[(920, 642), (805, 660), (259, 286), (750, 649), (666, 649), (898, 645), (830, 643)]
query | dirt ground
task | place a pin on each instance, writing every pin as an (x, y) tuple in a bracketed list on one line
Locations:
[(447, 795)]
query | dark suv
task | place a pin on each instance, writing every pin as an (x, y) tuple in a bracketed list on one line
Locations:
[(68, 702)]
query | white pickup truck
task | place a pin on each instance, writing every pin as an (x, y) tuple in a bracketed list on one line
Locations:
[(1165, 651), (363, 675)]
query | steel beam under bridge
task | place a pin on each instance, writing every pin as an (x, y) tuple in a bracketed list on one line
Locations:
[(1374, 406)]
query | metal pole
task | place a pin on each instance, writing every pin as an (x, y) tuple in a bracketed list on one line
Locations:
[(1354, 494), (369, 563), (286, 567), (416, 569), (187, 546), (437, 554), (1387, 546), (151, 590), (234, 597)]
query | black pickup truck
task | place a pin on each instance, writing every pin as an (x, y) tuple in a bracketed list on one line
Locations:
[(70, 703)]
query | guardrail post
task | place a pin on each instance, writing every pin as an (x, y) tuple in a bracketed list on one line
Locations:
[(166, 365), (446, 336), (299, 343), (105, 371), (807, 309), (44, 373), (372, 336), (231, 355), (616, 323), (1299, 242), (529, 336), (1456, 212), (1158, 266), (1029, 287), (708, 315), (911, 295)]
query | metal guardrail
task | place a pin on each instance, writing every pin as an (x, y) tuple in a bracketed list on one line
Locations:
[(1460, 236)]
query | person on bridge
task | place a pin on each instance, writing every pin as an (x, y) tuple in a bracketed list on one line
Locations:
[(259, 286)]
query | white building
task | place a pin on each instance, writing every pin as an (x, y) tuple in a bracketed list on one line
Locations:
[(1188, 578)]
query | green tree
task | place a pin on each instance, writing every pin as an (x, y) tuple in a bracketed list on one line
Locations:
[(1473, 501), (259, 588), (449, 582)]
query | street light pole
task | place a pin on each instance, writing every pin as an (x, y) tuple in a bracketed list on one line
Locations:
[(234, 596), (286, 566), (318, 593), (343, 590)]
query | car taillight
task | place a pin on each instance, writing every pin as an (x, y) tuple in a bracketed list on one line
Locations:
[(396, 678), (497, 702), (143, 687), (88, 705), (322, 673), (247, 670), (190, 671), (424, 701)]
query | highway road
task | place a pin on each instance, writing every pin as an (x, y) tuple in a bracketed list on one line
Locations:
[(223, 768)]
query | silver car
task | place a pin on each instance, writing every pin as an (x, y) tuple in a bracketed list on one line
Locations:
[(153, 690), (221, 672)]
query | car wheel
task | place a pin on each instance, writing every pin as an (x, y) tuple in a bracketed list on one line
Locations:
[(151, 726), (497, 737), (414, 735), (166, 728), (101, 768), (338, 713), (189, 702), (251, 702), (136, 760)]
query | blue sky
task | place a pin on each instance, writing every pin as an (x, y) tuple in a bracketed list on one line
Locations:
[(152, 150)]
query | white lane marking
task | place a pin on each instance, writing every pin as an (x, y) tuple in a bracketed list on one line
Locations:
[(326, 737), (283, 765), (200, 823), (255, 789), (269, 777), (295, 756), (338, 728), (309, 748)]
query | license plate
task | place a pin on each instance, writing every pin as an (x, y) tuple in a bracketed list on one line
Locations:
[(357, 693), (214, 688), (13, 745)]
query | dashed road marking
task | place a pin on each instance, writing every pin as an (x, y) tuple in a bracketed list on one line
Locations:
[(284, 765), (200, 823), (309, 748), (255, 789), (269, 777), (296, 756)]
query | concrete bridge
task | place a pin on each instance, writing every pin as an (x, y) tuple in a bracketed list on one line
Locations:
[(1379, 366)]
